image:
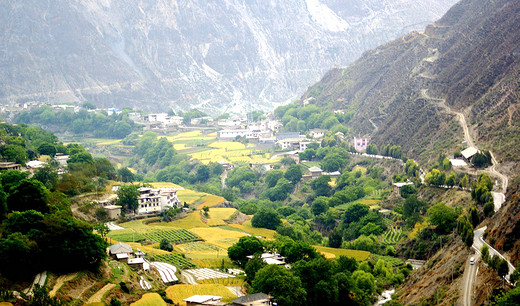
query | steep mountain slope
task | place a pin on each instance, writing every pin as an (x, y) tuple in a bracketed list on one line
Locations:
[(504, 228), (405, 92), (214, 55)]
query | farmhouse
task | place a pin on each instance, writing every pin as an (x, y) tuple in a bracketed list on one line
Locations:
[(468, 153), (120, 251), (315, 172), (153, 201)]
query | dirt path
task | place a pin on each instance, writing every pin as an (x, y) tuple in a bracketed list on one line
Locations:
[(60, 281), (99, 295), (469, 140), (223, 178)]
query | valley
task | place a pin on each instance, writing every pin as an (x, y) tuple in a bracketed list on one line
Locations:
[(180, 174)]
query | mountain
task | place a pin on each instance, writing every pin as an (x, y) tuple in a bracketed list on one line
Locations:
[(225, 55), (412, 90)]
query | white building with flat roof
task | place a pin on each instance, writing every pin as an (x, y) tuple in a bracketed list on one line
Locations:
[(156, 200)]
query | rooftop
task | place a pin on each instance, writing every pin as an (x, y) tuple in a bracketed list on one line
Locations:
[(469, 152), (202, 298), (120, 248), (244, 300)]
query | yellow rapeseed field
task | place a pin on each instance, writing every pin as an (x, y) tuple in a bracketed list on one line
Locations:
[(150, 299), (331, 253), (180, 292)]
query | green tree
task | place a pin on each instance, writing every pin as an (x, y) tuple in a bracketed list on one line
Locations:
[(102, 229), (203, 173), (474, 217), (266, 218), (355, 212), (412, 209), (317, 280), (127, 197), (319, 205), (247, 245), (272, 177), (408, 190), (335, 238), (240, 175), (252, 266), (464, 182), (364, 282), (165, 245), (48, 176), (286, 210), (277, 281), (321, 186), (28, 194), (22, 255), (489, 209), (293, 174), (443, 217), (502, 268), (14, 153), (47, 149), (485, 253), (126, 175)]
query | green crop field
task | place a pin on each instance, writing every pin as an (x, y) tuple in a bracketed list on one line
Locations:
[(175, 259), (175, 236), (392, 236)]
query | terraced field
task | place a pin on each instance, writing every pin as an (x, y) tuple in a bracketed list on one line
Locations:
[(392, 236), (150, 299)]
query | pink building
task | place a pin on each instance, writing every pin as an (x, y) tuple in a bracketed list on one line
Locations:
[(360, 144)]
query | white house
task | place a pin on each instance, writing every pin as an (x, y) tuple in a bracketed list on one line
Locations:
[(317, 133), (360, 144), (160, 117), (153, 201)]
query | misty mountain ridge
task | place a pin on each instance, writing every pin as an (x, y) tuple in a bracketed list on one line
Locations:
[(221, 56)]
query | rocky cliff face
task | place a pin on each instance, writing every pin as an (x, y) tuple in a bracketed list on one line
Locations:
[(215, 55), (406, 92)]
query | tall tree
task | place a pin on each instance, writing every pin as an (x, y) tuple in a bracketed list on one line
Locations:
[(28, 194), (127, 197), (280, 283)]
